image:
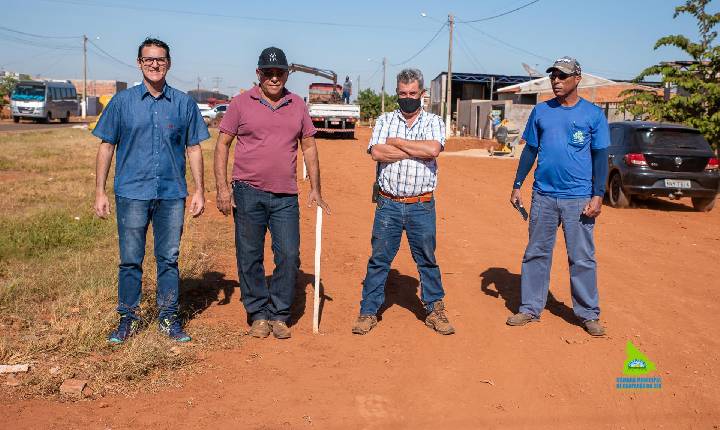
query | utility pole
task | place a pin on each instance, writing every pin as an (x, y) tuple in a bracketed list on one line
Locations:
[(448, 96), (85, 96), (382, 96)]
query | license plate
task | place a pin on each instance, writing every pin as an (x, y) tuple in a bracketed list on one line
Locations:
[(335, 122), (674, 183)]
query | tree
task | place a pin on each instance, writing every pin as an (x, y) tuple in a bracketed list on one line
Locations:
[(7, 83), (697, 103), (370, 104)]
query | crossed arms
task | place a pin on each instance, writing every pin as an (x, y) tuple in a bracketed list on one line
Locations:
[(396, 149)]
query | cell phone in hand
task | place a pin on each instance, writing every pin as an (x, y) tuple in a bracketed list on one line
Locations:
[(520, 208)]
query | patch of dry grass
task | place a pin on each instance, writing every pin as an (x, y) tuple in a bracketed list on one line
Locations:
[(58, 276)]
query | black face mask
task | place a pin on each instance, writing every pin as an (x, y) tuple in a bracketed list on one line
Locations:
[(409, 105)]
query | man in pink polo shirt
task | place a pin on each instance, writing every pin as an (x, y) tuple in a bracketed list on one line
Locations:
[(268, 122)]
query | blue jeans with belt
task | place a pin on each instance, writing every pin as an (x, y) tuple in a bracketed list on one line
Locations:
[(134, 217), (418, 221), (255, 212), (546, 214)]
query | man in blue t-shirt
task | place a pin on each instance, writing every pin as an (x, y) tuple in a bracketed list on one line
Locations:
[(569, 136)]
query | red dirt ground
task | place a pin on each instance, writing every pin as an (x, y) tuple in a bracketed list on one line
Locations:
[(658, 286)]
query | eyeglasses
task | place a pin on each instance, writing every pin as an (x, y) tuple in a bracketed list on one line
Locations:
[(561, 76), (148, 61)]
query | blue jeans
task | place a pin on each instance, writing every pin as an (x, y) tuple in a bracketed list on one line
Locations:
[(134, 217), (546, 214), (255, 211), (418, 221), (346, 98)]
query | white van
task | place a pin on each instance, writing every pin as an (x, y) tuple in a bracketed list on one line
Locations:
[(44, 101)]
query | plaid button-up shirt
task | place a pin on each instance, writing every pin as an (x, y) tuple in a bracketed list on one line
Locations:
[(412, 176)]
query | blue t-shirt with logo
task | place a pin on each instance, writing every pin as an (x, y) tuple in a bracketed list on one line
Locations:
[(564, 137)]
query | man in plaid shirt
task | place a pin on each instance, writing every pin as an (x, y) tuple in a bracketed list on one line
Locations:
[(405, 144)]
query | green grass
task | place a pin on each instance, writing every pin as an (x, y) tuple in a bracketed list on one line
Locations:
[(48, 231)]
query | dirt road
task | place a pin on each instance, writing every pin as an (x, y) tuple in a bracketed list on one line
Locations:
[(658, 268)]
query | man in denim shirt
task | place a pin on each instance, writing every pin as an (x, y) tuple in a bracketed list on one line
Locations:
[(569, 137), (150, 126)]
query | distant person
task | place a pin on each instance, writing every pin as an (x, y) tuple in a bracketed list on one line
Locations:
[(405, 144), (569, 137), (346, 90), (268, 121), (150, 126), (501, 136)]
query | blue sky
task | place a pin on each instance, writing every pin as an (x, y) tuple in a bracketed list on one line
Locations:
[(223, 38)]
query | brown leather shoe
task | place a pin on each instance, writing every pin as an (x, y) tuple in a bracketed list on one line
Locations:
[(260, 329), (521, 318), (280, 330), (437, 319), (364, 324), (594, 328)]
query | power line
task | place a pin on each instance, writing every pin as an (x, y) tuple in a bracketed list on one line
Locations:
[(242, 17), (424, 47), (525, 51), (488, 18), (36, 43), (117, 60), (38, 35), (469, 53)]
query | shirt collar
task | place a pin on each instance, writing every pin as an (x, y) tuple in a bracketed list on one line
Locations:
[(417, 120), (145, 92), (255, 94)]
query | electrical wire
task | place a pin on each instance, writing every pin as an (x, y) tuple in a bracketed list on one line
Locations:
[(424, 47), (241, 17), (488, 18), (42, 36), (517, 48), (468, 52)]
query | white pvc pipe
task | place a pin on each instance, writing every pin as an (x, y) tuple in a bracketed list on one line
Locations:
[(318, 250)]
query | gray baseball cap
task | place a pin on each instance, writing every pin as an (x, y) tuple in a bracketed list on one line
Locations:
[(567, 65)]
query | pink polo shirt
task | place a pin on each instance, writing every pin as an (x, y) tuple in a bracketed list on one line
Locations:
[(267, 139)]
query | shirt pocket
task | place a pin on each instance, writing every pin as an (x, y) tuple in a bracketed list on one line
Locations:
[(175, 130), (580, 135)]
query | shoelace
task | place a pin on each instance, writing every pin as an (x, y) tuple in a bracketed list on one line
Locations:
[(441, 315), (172, 326), (125, 326)]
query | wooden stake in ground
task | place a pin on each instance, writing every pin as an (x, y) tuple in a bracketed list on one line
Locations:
[(318, 250)]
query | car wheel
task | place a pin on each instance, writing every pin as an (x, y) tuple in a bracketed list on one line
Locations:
[(66, 119), (703, 204), (617, 196), (16, 119)]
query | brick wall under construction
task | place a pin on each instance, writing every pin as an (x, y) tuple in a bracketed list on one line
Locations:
[(99, 88)]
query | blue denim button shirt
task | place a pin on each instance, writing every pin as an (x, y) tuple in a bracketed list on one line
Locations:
[(150, 136)]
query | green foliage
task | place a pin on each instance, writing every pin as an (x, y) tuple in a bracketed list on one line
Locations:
[(370, 103), (7, 83), (697, 103)]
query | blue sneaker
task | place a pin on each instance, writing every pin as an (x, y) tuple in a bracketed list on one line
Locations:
[(127, 327), (171, 328)]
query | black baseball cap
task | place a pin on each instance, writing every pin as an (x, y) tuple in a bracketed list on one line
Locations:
[(272, 58)]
